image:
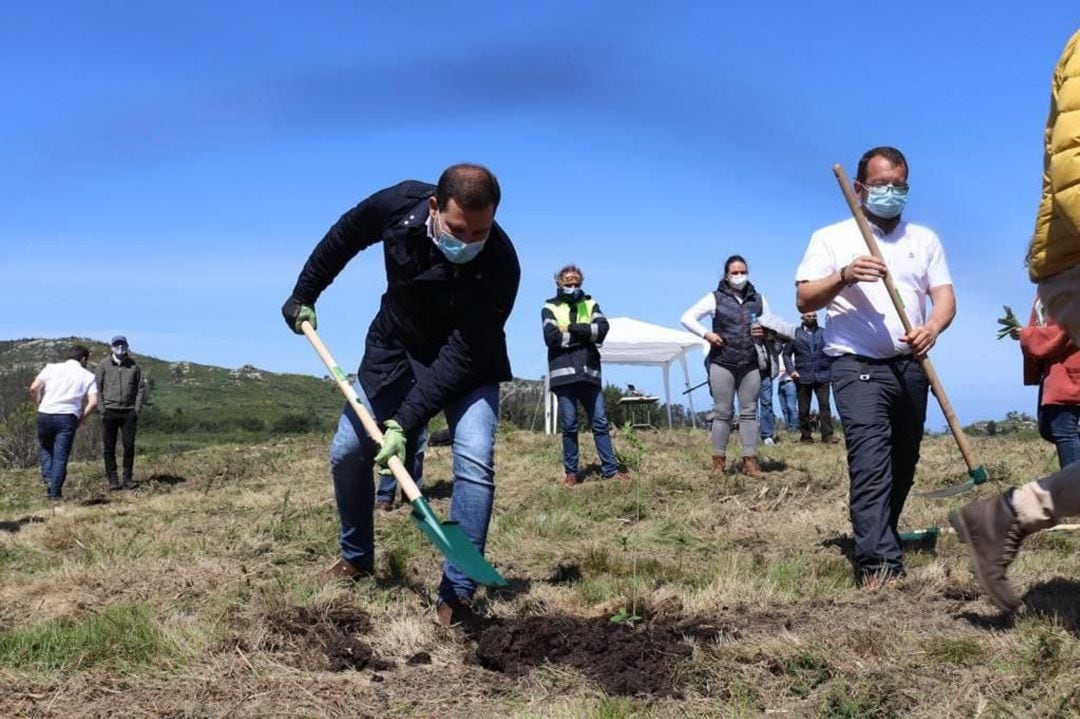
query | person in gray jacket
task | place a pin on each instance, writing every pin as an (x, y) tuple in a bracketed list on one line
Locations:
[(121, 389)]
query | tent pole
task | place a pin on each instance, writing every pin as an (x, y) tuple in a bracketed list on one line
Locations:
[(667, 391), (547, 405), (689, 395)]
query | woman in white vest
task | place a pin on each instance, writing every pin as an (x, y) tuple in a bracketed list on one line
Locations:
[(733, 363)]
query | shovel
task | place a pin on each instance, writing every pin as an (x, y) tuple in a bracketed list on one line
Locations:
[(446, 536), (919, 535), (976, 472)]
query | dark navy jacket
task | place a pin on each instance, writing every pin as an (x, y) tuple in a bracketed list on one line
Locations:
[(732, 321), (439, 321), (810, 360)]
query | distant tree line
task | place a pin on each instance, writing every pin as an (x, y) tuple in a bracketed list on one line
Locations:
[(178, 421), (1015, 422)]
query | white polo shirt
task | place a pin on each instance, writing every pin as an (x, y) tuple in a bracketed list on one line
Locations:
[(861, 318), (66, 383)]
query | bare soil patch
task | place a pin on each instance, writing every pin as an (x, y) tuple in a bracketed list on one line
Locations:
[(623, 659), (321, 640)]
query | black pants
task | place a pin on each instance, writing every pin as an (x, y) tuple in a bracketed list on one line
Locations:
[(882, 404), (802, 395), (122, 421)]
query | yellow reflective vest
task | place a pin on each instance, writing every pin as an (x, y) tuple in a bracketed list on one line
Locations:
[(572, 332)]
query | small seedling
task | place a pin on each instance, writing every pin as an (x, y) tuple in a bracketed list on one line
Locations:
[(633, 455), (624, 617), (1008, 323)]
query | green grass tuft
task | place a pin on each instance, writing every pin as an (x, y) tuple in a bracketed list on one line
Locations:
[(122, 636)]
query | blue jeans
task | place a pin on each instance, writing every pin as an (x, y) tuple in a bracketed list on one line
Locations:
[(55, 434), (789, 404), (591, 397), (766, 415), (472, 419), (1058, 424)]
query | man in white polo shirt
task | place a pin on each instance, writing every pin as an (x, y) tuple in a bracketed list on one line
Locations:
[(880, 388), (59, 391)]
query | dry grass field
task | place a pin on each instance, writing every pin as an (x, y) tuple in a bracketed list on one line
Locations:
[(197, 595)]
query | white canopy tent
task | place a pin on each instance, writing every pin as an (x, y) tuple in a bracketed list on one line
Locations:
[(633, 342)]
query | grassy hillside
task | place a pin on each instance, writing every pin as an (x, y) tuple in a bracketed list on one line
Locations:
[(197, 595), (192, 403)]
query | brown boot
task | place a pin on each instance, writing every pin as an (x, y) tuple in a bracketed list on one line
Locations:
[(750, 466), (458, 612), (571, 480), (719, 463), (993, 535), (343, 569)]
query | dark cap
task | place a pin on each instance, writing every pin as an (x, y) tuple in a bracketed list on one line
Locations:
[(118, 340)]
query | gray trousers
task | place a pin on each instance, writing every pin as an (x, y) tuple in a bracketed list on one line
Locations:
[(882, 405), (725, 384)]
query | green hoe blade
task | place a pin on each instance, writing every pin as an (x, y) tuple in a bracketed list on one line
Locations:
[(920, 535), (455, 546), (977, 475)]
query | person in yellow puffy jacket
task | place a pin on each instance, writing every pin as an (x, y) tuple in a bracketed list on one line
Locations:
[(1054, 255), (994, 528)]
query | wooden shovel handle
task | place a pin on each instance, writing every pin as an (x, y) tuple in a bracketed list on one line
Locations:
[(935, 382), (370, 426)]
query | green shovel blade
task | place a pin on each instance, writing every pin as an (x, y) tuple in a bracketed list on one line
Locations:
[(455, 546)]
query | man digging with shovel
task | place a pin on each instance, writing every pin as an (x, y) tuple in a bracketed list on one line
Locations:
[(436, 344), (994, 528)]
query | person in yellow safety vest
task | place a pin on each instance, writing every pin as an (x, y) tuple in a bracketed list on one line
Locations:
[(574, 328)]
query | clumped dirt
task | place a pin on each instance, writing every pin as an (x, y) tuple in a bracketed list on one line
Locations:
[(15, 525), (623, 659), (324, 639)]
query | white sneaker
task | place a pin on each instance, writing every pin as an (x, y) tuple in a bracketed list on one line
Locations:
[(768, 441)]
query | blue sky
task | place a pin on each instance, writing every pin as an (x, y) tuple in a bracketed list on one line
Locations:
[(169, 166)]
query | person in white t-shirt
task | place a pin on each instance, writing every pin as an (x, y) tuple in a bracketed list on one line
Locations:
[(880, 388), (65, 394)]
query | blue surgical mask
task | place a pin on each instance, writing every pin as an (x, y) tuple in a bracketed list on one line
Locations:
[(573, 293), (458, 251), (886, 201)]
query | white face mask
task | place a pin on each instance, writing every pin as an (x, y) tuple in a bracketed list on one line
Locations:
[(738, 281), (119, 351)]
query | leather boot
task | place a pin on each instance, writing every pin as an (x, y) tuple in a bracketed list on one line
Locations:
[(993, 535), (719, 463), (343, 569), (750, 467)]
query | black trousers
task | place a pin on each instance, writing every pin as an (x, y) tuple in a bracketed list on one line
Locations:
[(120, 421), (882, 404), (802, 396)]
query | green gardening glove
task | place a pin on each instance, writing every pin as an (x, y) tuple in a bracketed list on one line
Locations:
[(295, 312), (393, 445)]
